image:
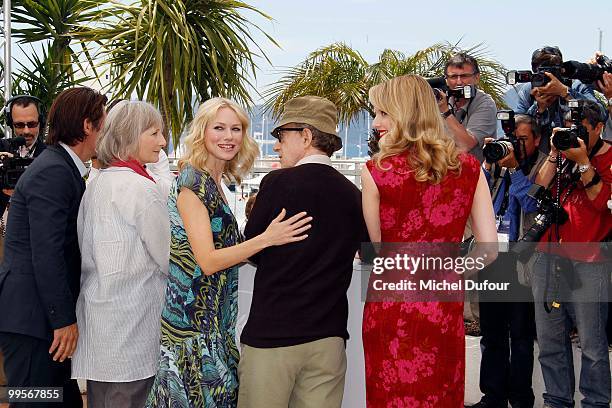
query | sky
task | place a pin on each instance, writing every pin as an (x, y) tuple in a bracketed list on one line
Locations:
[(510, 30)]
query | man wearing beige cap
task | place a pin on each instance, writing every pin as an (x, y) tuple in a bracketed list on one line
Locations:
[(293, 345)]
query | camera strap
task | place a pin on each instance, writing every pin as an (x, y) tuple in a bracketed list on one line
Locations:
[(550, 268), (463, 112), (529, 161), (598, 145), (506, 199)]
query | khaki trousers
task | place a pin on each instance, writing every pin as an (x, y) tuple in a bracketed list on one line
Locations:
[(309, 375)]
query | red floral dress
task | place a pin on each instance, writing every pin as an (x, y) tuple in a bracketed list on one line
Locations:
[(415, 351)]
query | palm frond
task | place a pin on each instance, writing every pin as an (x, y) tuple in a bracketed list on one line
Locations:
[(336, 72), (176, 53), (341, 74)]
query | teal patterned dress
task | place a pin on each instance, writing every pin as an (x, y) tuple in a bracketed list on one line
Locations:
[(198, 358)]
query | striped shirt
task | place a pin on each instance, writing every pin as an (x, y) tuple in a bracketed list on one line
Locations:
[(124, 236)]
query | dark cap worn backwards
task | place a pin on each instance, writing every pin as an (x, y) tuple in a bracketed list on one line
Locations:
[(315, 111)]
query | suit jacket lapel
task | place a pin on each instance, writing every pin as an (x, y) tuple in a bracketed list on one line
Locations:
[(75, 170)]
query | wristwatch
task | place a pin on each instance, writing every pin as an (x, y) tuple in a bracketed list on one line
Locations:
[(583, 168), (511, 171), (447, 114)]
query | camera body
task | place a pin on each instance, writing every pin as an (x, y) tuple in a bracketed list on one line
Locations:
[(566, 138), (11, 168), (438, 84), (548, 213), (541, 79), (498, 149), (538, 78)]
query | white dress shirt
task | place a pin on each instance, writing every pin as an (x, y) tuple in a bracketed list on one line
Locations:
[(160, 171), (124, 236), (76, 159)]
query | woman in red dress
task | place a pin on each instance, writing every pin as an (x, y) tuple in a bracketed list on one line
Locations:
[(418, 188)]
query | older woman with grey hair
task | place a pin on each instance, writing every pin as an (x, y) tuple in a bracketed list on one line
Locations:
[(124, 235)]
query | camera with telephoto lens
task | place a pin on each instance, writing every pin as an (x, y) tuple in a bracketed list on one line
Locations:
[(566, 138), (586, 73), (549, 212), (498, 149), (438, 84), (11, 168), (538, 78)]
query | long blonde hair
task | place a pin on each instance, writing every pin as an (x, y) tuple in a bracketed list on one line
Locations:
[(196, 153), (418, 127)]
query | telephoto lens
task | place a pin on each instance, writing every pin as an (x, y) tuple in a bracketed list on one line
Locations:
[(496, 150)]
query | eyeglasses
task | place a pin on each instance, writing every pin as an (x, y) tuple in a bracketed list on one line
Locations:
[(22, 125), (278, 132), (455, 77)]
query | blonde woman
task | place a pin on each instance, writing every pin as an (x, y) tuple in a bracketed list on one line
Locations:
[(418, 189), (198, 358), (124, 236)]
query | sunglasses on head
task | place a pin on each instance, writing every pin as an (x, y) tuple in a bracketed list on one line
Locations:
[(547, 50)]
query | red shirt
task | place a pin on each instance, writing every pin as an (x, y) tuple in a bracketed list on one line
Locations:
[(589, 220)]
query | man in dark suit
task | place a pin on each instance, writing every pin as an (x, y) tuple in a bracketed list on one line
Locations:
[(40, 274)]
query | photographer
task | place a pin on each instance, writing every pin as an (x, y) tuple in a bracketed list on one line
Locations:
[(469, 120), (580, 277), (24, 115), (548, 103), (605, 87), (507, 326)]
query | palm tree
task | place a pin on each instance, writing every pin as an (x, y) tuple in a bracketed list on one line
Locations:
[(176, 53), (54, 24), (341, 74), (42, 77)]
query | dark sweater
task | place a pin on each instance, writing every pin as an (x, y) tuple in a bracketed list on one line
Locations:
[(300, 288)]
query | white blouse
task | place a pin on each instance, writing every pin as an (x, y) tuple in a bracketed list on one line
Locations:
[(124, 236)]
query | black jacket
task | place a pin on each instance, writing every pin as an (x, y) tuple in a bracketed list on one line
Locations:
[(38, 148), (40, 274), (300, 288)]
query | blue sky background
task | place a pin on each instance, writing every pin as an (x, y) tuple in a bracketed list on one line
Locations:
[(511, 30)]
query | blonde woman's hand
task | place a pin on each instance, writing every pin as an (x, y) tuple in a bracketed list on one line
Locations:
[(282, 231)]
